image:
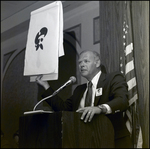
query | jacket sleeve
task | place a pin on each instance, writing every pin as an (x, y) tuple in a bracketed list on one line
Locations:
[(56, 102), (70, 104), (118, 97)]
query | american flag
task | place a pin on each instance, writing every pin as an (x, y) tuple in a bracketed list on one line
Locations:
[(131, 115)]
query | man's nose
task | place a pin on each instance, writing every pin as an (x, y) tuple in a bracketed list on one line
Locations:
[(82, 64)]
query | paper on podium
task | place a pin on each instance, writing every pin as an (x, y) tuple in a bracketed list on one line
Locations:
[(44, 42), (37, 111)]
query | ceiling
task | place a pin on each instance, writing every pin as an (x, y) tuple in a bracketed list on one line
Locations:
[(9, 8)]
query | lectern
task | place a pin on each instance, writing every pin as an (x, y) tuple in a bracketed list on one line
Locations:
[(65, 130)]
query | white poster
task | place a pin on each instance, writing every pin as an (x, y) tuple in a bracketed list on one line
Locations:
[(44, 42)]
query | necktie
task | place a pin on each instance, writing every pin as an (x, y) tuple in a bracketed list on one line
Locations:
[(88, 98)]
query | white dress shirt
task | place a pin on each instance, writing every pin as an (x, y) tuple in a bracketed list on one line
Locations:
[(94, 82)]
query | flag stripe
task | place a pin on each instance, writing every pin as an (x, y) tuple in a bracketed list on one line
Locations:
[(140, 140), (129, 57), (129, 115), (133, 99), (132, 92), (129, 126), (129, 48), (129, 67), (131, 83), (130, 74)]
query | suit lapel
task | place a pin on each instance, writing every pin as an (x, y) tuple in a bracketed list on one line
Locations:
[(100, 85), (80, 95)]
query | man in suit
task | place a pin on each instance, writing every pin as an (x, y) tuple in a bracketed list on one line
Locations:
[(109, 95)]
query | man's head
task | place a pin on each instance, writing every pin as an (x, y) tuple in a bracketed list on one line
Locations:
[(16, 137), (89, 64)]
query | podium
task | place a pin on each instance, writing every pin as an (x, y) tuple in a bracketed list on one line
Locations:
[(64, 130)]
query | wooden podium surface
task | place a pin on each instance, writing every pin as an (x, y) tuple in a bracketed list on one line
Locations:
[(65, 130)]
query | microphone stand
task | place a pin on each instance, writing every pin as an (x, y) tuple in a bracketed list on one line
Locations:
[(42, 101), (72, 80), (56, 92), (41, 111)]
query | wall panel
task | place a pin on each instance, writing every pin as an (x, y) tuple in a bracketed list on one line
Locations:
[(111, 19), (140, 15), (111, 33)]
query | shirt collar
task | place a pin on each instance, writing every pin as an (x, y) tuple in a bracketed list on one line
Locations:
[(95, 79)]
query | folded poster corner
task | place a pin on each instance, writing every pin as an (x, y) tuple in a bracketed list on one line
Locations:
[(46, 77)]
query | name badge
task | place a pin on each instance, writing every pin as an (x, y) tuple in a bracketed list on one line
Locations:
[(98, 91)]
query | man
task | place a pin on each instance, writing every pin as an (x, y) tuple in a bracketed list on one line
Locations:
[(16, 138), (4, 142), (109, 96)]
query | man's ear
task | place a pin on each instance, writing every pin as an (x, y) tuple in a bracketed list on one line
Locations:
[(98, 63)]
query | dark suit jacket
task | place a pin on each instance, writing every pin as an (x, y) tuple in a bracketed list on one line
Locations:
[(114, 93)]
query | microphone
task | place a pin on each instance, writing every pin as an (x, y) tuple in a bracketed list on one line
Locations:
[(70, 81)]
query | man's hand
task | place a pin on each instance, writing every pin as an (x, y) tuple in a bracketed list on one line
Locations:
[(88, 113), (41, 82)]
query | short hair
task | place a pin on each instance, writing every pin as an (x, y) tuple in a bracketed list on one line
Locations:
[(96, 54), (16, 134)]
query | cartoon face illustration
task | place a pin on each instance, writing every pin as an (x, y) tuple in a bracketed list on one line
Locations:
[(40, 37)]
